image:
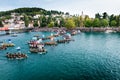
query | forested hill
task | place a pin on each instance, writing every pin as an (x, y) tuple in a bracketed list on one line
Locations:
[(30, 11)]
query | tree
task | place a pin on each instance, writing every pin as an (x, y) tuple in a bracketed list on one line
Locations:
[(96, 22), (69, 24), (44, 22), (35, 23), (113, 23), (118, 20), (51, 24), (88, 23), (77, 21), (1, 25), (111, 18), (49, 19), (62, 22), (105, 15), (26, 19), (98, 16), (67, 13), (56, 24), (81, 21), (104, 22)]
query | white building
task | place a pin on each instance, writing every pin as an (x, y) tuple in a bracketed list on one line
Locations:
[(36, 16)]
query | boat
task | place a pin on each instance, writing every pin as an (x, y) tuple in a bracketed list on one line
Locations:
[(73, 33), (35, 45), (63, 41), (37, 35), (45, 38), (16, 55), (14, 35), (31, 42), (36, 50), (8, 44), (56, 35), (61, 32), (50, 43), (67, 36), (3, 47)]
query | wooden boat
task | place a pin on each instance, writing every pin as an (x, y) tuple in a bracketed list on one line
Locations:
[(35, 45), (37, 35), (45, 38), (62, 32), (31, 42), (56, 35), (3, 47), (36, 50), (50, 43), (8, 44), (49, 37), (63, 41), (73, 33), (16, 55)]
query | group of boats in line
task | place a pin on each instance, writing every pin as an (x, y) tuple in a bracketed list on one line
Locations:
[(37, 43)]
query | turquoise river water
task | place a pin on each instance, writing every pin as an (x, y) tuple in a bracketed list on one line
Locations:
[(92, 56)]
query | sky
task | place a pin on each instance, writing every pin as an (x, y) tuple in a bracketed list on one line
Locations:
[(89, 7)]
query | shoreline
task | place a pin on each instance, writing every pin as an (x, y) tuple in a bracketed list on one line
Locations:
[(82, 29)]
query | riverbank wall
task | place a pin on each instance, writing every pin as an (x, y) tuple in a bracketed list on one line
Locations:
[(82, 29), (95, 29)]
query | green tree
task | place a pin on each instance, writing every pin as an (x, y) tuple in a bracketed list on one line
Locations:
[(118, 20), (49, 19), (1, 25), (96, 22), (105, 15), (111, 18), (88, 23), (51, 24), (77, 21), (26, 19), (98, 16), (69, 24), (113, 23), (81, 21), (35, 23), (56, 24), (62, 23), (44, 22), (104, 22)]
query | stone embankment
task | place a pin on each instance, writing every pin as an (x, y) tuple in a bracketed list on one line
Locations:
[(82, 29)]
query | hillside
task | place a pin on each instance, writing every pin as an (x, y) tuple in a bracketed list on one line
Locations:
[(30, 11)]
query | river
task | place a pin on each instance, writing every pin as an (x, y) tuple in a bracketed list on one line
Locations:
[(92, 56)]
